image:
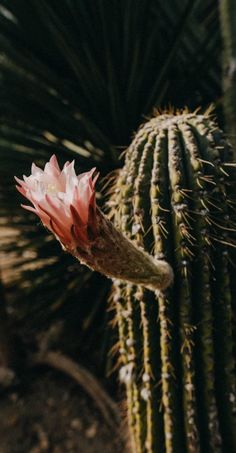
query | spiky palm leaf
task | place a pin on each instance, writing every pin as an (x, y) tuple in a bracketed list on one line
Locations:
[(76, 78)]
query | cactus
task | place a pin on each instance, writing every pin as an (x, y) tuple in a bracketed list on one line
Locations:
[(173, 198)]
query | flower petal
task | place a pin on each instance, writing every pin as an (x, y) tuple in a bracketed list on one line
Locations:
[(64, 202)]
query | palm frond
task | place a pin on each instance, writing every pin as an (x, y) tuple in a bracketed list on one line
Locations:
[(77, 78)]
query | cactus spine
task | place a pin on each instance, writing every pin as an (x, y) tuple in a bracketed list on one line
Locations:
[(172, 198)]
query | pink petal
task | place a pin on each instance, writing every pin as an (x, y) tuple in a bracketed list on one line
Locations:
[(76, 217), (59, 210), (22, 190), (52, 168), (66, 164), (69, 170), (79, 234), (58, 231), (35, 170), (44, 217), (64, 202), (19, 181), (62, 227), (81, 203), (95, 179), (92, 201), (29, 208), (54, 162), (87, 174)]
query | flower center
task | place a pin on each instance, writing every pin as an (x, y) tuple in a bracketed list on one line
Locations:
[(51, 189)]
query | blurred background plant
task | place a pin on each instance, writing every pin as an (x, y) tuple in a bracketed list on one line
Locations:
[(76, 79)]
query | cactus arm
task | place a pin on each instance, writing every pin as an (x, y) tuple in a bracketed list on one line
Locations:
[(114, 255)]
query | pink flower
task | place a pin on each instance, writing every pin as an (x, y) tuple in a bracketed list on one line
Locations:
[(66, 205), (64, 201)]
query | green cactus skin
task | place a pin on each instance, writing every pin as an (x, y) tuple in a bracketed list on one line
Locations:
[(172, 198)]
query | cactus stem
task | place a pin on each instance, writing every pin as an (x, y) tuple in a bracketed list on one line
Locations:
[(160, 229), (225, 363), (175, 199), (187, 329), (203, 296), (133, 319), (141, 200)]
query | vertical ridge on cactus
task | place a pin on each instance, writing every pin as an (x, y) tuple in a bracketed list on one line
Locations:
[(172, 197)]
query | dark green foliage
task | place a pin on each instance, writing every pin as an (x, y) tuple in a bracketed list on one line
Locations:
[(76, 78), (177, 348), (78, 62), (228, 27)]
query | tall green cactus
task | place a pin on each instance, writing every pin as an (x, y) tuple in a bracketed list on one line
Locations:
[(172, 198)]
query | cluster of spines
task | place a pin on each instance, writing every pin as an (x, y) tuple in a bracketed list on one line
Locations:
[(171, 199)]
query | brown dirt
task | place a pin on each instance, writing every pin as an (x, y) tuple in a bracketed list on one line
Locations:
[(50, 413), (47, 411)]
